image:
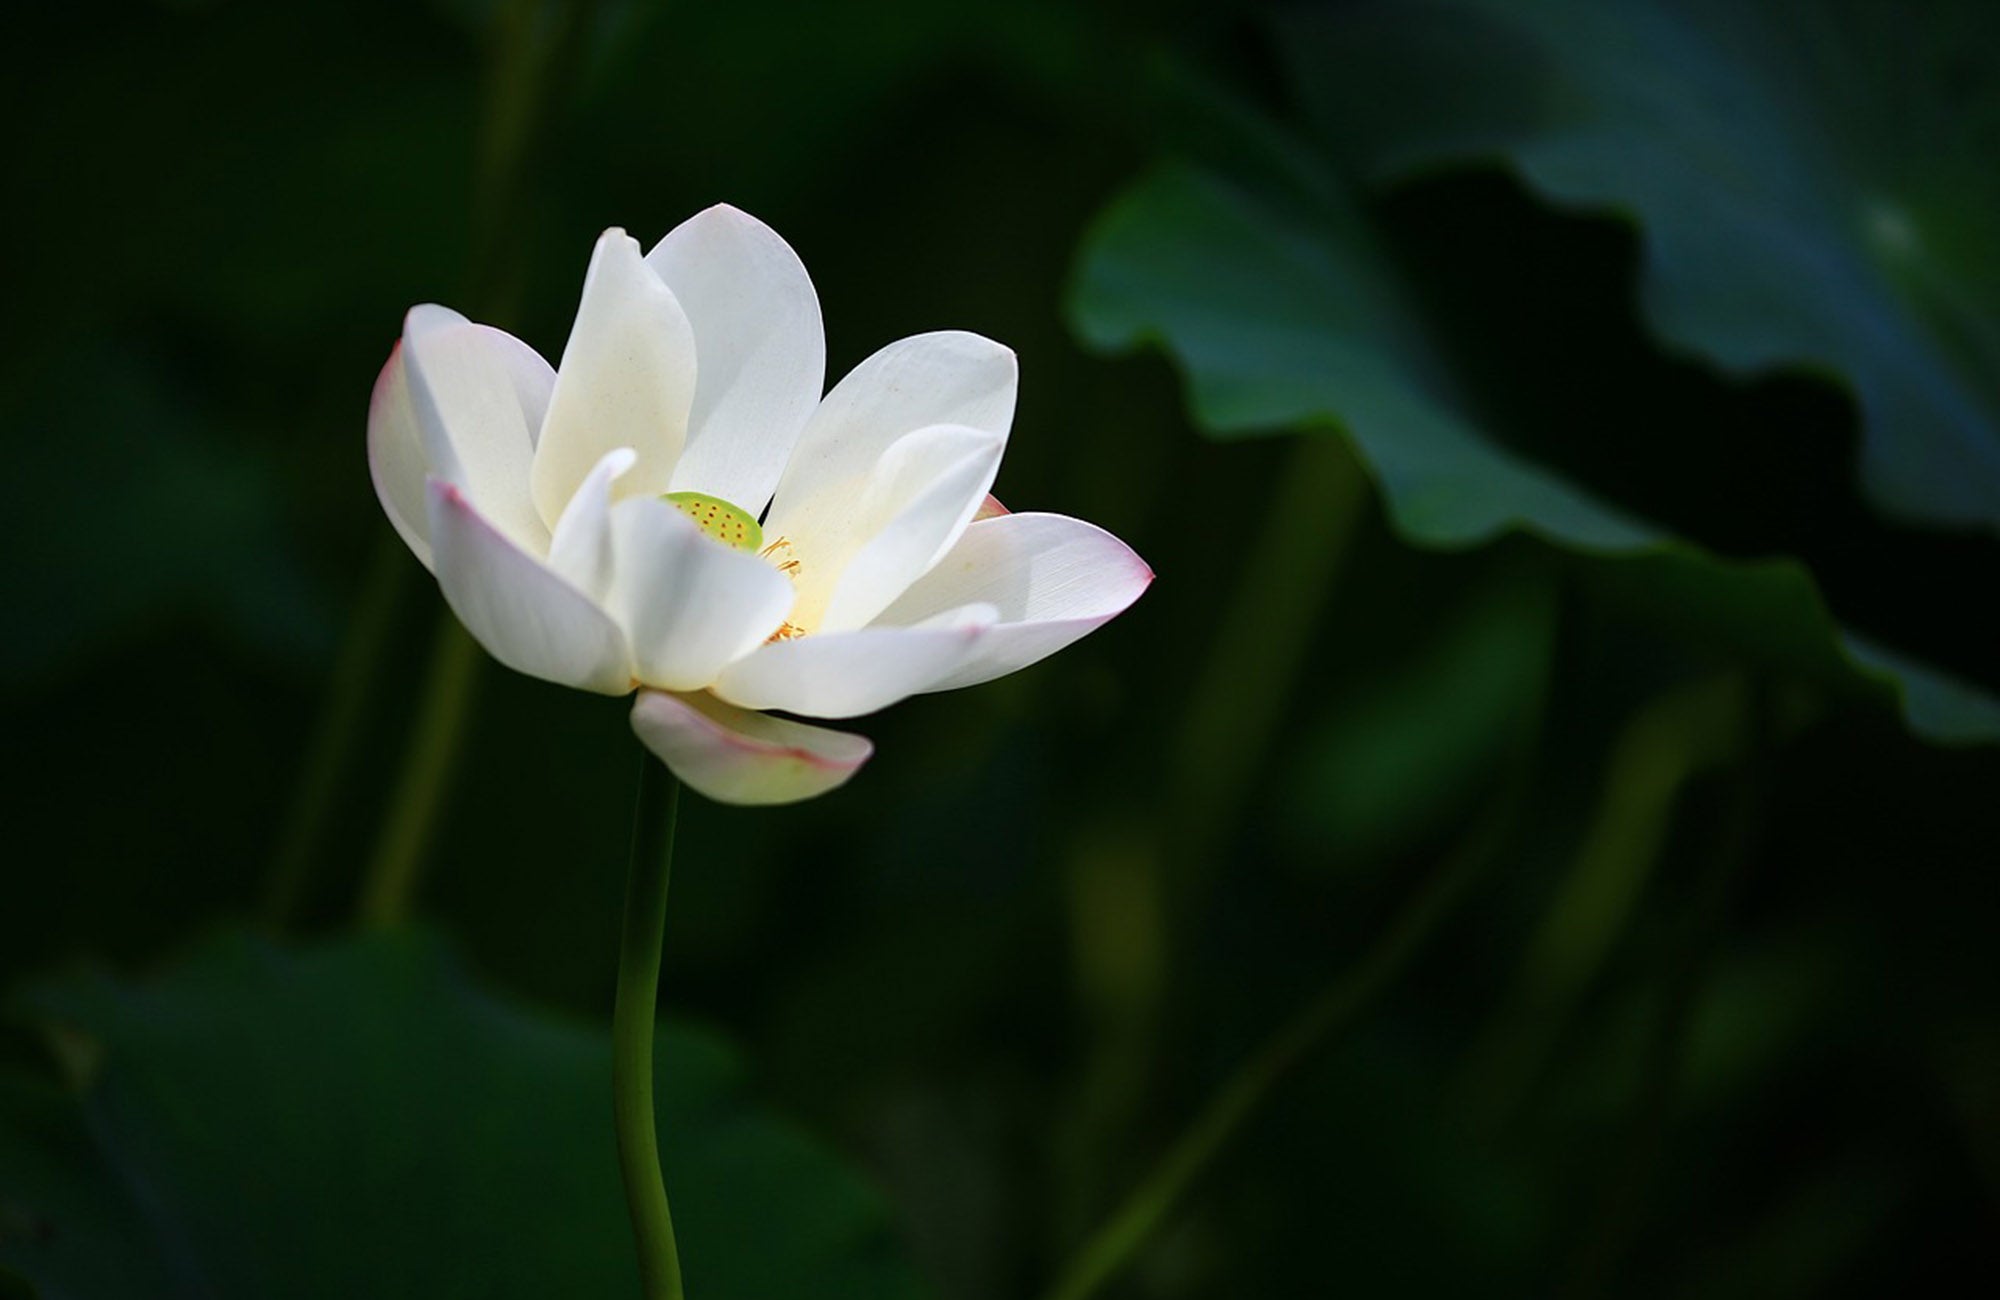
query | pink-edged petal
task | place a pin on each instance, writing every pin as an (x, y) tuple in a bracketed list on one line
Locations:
[(526, 616), (845, 674), (759, 344), (915, 503), (688, 603), (950, 377), (479, 396), (580, 549), (627, 380), (735, 756), (396, 457), (1052, 578), (990, 508)]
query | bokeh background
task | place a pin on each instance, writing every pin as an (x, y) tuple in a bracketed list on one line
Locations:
[(1547, 795)]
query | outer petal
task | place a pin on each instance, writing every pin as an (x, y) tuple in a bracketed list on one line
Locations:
[(627, 380), (733, 756), (479, 396), (949, 377), (688, 603), (1052, 578), (761, 347), (396, 456), (521, 611), (843, 674), (580, 550)]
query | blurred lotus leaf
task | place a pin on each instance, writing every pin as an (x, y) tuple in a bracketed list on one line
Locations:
[(361, 1119), (1285, 313), (1814, 183)]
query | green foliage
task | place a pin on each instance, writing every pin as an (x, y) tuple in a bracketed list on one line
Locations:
[(1394, 758), (1813, 182), (997, 971), (1285, 313), (361, 1118)]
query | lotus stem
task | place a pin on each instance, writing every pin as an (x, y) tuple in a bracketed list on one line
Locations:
[(632, 1020)]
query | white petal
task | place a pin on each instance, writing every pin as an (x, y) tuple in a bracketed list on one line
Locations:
[(688, 603), (950, 377), (761, 350), (580, 550), (533, 379), (1051, 577), (479, 396), (913, 506), (734, 756), (396, 456), (521, 611), (627, 380), (843, 674)]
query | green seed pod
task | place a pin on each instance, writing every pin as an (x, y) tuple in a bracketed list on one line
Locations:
[(728, 524)]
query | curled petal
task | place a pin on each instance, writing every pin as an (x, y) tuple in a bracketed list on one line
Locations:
[(478, 396), (1052, 578), (689, 604), (860, 549), (736, 756), (950, 377), (521, 611), (580, 550), (845, 674), (396, 457)]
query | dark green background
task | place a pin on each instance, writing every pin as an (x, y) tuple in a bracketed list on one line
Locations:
[(1744, 1041)]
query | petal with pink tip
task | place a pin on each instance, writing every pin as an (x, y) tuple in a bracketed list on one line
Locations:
[(478, 395), (1053, 579), (735, 756), (521, 611)]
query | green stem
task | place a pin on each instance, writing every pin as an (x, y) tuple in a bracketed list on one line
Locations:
[(391, 880), (632, 1030), (536, 48), (355, 673), (1224, 739), (1247, 684), (1149, 1205), (1667, 743), (1622, 1206)]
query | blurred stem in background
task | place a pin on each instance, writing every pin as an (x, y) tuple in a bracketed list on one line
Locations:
[(356, 669), (1225, 735), (534, 51), (632, 1021), (1666, 744), (391, 882), (1621, 1208), (1135, 886), (1149, 1205)]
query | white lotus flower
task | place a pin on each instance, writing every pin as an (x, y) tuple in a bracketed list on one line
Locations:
[(605, 526)]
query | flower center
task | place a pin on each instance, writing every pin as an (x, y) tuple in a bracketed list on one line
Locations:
[(736, 527), (729, 524)]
